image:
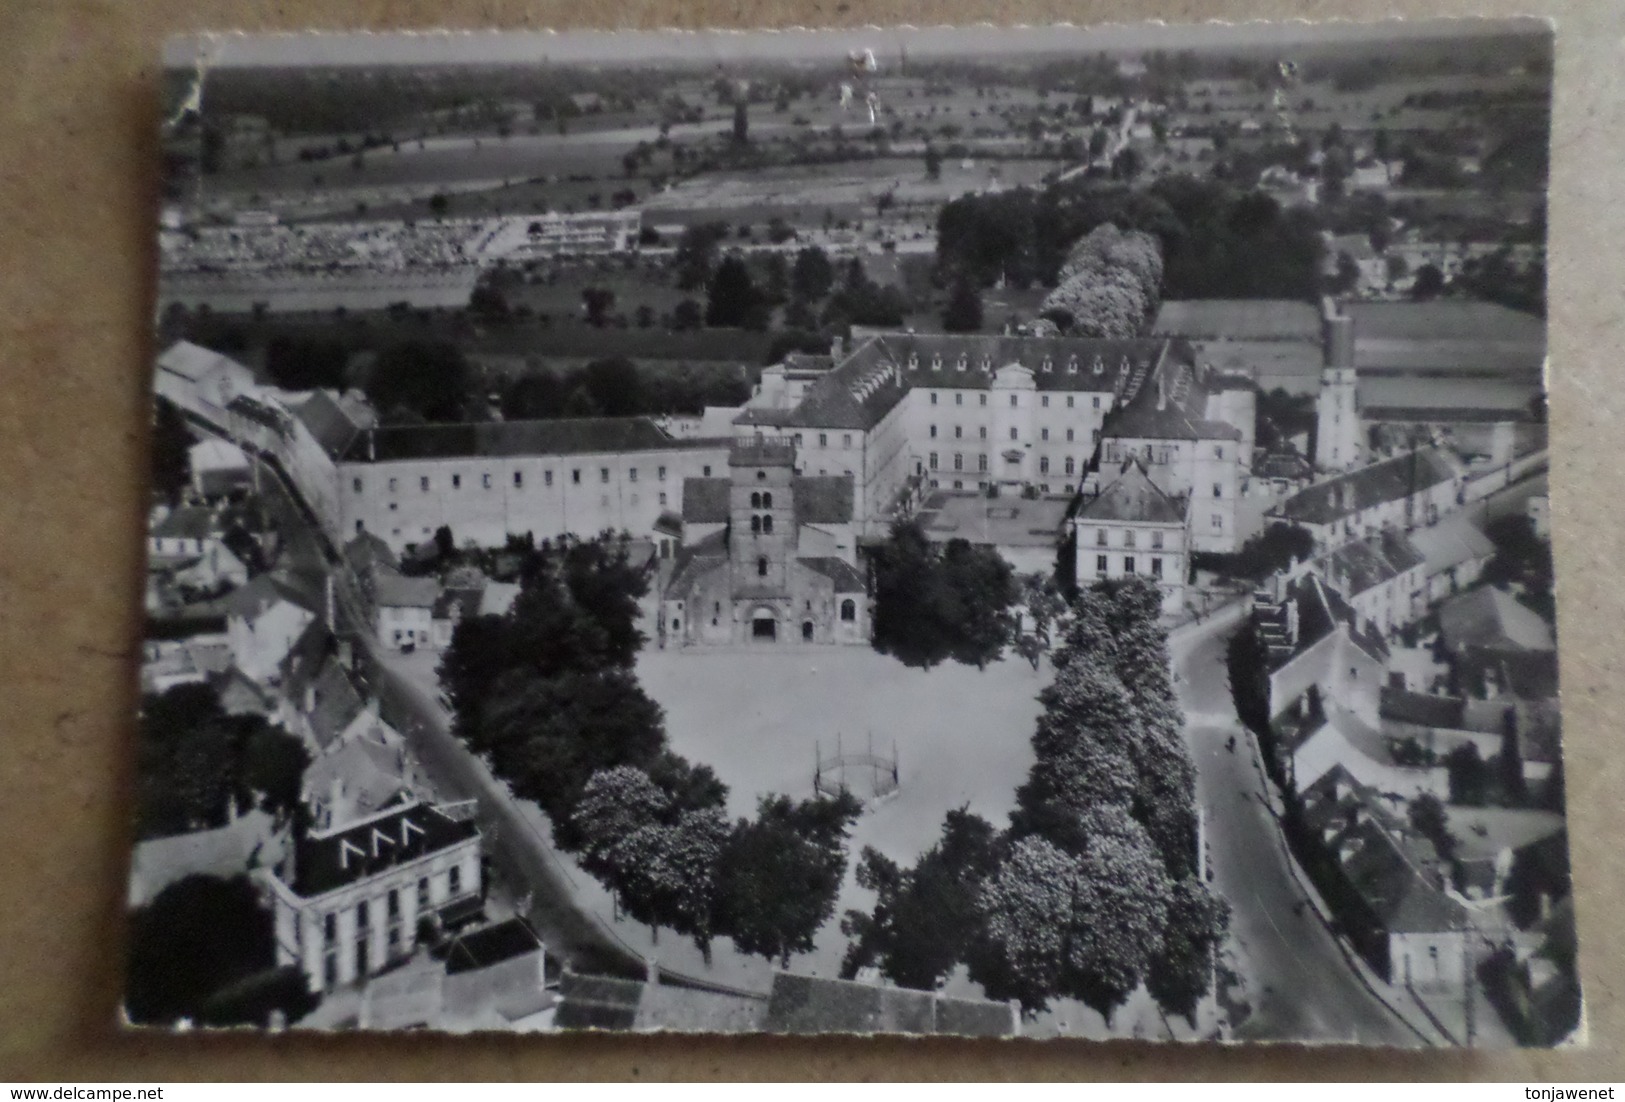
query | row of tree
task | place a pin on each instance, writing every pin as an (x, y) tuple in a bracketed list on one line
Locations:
[(1217, 242), (1110, 285), (548, 695), (1094, 889)]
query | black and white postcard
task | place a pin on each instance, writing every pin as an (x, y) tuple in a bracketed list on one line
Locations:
[(999, 532)]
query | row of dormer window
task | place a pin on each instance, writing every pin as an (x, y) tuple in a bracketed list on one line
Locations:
[(1046, 366)]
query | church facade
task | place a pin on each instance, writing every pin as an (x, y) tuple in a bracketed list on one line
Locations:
[(769, 556)]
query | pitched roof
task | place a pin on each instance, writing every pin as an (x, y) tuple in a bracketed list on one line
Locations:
[(1238, 319), (1133, 497), (190, 522), (373, 774), (492, 945), (810, 1004), (698, 559), (823, 499), (264, 592), (1490, 617), (498, 597), (581, 436), (338, 702), (1450, 543), (1526, 675), (846, 579), (1057, 363), (1388, 865), (705, 500), (597, 1002), (329, 423), (1391, 480), (1167, 400), (304, 661), (396, 590), (328, 861), (194, 362), (1363, 565), (1422, 709), (368, 550)]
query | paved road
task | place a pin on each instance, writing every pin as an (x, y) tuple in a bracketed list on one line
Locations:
[(523, 857), (1302, 988)]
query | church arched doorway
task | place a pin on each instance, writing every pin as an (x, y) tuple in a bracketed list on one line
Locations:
[(806, 631), (763, 626)]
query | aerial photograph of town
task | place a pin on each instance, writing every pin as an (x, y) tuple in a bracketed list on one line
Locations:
[(1030, 532)]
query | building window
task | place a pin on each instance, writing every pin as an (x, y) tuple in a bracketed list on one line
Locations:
[(547, 478), (933, 432), (1100, 565), (454, 881), (959, 461), (761, 567), (982, 433), (959, 431), (849, 610), (1069, 399), (330, 928), (755, 501), (823, 440), (662, 497), (931, 461), (575, 476), (936, 365), (1156, 568), (1072, 365), (846, 439), (1218, 451), (1128, 564), (1218, 521), (632, 474), (392, 484), (363, 915), (660, 473), (1128, 538), (767, 523), (1014, 433), (1043, 464), (1218, 490), (1156, 541), (1046, 367), (356, 484), (767, 500), (1097, 401), (423, 894), (933, 393), (959, 398), (603, 474), (981, 463), (705, 471), (755, 524), (1100, 537), (1015, 400), (423, 484), (960, 365), (393, 903), (1043, 434), (1069, 436), (981, 399), (1044, 401), (518, 479), (1071, 464)]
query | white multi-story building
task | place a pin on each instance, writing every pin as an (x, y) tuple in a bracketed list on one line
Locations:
[(1132, 529), (543, 478), (350, 903)]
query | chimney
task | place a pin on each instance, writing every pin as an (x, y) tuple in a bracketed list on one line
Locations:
[(837, 348), (372, 447), (651, 972), (1292, 620)]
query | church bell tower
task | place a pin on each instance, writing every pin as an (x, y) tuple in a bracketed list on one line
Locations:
[(1337, 408)]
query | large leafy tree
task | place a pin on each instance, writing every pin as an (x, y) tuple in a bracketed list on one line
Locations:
[(733, 299), (1026, 909), (924, 918), (197, 937), (812, 275), (171, 443), (931, 604), (780, 874)]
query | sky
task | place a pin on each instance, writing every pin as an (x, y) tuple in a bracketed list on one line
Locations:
[(588, 47)]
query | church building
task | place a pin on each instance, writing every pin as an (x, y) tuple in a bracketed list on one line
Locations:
[(769, 556)]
